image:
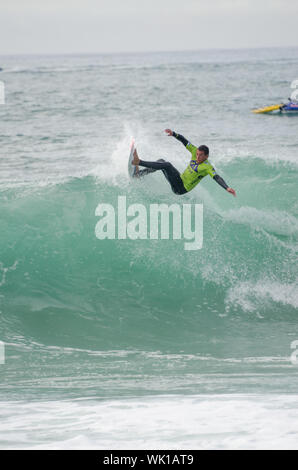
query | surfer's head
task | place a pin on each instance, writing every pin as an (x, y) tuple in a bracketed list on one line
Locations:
[(202, 153)]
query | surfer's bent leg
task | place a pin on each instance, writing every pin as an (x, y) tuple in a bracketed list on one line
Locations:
[(147, 171), (170, 172)]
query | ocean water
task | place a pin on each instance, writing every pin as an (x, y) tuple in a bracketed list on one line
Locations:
[(141, 344)]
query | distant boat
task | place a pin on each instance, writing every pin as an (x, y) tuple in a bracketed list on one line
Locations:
[(290, 107)]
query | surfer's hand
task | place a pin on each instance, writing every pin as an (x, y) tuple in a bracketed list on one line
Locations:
[(169, 132), (232, 191)]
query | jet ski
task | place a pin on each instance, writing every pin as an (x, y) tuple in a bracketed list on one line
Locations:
[(290, 107)]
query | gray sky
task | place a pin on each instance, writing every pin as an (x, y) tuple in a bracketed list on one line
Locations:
[(91, 26)]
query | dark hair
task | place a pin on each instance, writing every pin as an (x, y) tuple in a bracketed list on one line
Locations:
[(204, 149)]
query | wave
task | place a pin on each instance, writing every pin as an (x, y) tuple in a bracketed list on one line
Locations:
[(253, 296), (58, 280), (58, 221), (273, 221)]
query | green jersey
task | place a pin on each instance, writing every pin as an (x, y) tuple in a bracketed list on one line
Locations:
[(195, 172)]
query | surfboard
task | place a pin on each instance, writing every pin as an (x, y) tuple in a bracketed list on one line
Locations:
[(131, 168)]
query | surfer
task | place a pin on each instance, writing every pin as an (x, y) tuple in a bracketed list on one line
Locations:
[(198, 168)]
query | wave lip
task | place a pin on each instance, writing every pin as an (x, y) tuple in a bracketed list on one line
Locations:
[(277, 222), (250, 296)]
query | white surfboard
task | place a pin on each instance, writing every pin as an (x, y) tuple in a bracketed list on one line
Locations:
[(131, 168)]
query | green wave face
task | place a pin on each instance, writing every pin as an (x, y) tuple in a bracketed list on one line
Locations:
[(63, 286)]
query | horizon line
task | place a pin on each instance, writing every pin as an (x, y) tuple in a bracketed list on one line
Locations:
[(162, 51)]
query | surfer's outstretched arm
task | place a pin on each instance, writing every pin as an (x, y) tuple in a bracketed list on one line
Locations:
[(177, 136), (220, 181), (181, 139), (223, 184)]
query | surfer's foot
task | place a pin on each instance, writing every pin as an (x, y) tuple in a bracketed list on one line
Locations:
[(136, 159)]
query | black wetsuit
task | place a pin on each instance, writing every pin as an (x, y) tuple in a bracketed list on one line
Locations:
[(170, 172)]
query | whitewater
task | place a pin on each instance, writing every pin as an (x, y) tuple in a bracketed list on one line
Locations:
[(139, 343)]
